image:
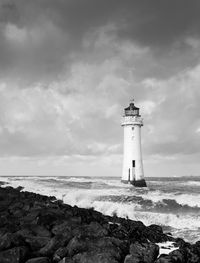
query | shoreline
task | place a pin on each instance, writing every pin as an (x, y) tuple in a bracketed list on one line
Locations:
[(41, 229)]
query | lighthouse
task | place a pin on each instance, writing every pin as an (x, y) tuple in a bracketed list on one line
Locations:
[(132, 160)]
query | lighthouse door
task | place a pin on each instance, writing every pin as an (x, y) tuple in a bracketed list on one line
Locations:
[(133, 169)]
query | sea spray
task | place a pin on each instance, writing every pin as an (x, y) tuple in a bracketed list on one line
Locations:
[(170, 204)]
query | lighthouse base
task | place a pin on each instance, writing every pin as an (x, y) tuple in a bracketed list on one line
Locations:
[(139, 183), (136, 183)]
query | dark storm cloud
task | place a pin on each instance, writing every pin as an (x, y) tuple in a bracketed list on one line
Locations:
[(161, 22), (150, 22), (60, 26), (68, 67)]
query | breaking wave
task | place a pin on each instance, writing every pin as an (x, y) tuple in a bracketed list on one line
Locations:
[(177, 210)]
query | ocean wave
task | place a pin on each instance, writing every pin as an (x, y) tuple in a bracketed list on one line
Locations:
[(176, 221), (192, 200), (176, 210), (114, 190), (163, 206), (192, 183)]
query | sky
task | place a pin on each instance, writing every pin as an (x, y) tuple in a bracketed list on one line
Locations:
[(68, 68)]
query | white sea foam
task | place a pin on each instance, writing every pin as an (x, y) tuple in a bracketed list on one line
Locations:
[(91, 198), (192, 200), (192, 183), (166, 247)]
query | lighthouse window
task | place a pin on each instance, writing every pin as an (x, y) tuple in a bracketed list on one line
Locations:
[(132, 128)]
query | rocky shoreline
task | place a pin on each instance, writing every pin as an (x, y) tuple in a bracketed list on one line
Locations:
[(40, 229)]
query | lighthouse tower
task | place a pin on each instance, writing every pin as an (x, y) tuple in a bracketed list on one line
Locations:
[(132, 164)]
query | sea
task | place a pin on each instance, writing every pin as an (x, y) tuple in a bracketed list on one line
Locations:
[(171, 202)]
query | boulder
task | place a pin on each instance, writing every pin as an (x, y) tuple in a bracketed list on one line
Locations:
[(53, 244), (179, 242), (5, 241), (61, 228), (155, 235), (88, 215), (11, 240), (38, 260), (13, 255), (176, 256), (48, 216), (192, 253), (145, 252), (94, 229), (60, 253), (132, 259), (91, 257), (66, 260), (109, 245), (36, 243), (37, 230), (156, 228), (4, 204), (31, 217), (196, 247), (3, 219)]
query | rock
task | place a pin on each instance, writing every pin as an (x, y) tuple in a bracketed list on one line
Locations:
[(15, 206), (56, 232), (145, 252), (48, 216), (155, 235), (60, 253), (36, 243), (109, 245), (5, 241), (31, 217), (196, 247), (193, 258), (24, 232), (134, 230), (186, 253), (118, 231), (156, 228), (4, 204), (53, 244), (19, 188), (37, 230), (3, 231), (132, 259), (38, 260), (10, 240), (164, 259), (66, 260), (76, 245), (3, 219), (13, 255), (192, 253), (88, 215), (94, 229), (179, 242), (175, 256), (91, 257), (63, 227)]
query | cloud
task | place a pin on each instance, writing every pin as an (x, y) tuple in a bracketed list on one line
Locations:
[(68, 68), (40, 39), (176, 118)]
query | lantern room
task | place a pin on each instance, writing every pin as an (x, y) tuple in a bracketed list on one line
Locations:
[(132, 110)]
